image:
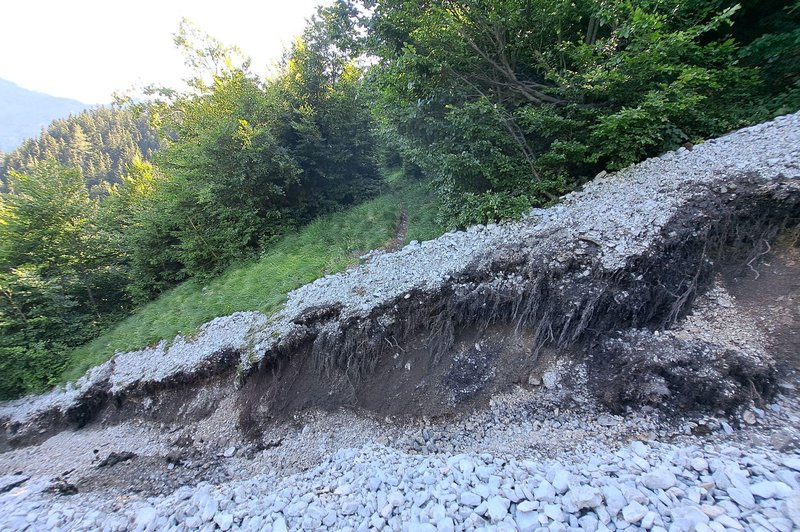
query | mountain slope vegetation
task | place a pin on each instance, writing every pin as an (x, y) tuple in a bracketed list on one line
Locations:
[(101, 142)]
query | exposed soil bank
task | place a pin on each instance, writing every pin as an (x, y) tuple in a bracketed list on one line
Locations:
[(437, 327)]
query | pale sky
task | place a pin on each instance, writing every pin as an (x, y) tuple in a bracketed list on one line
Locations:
[(88, 49)]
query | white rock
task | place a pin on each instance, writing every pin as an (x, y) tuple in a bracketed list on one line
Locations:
[(554, 512), (770, 490), (742, 497), (615, 501), (699, 464), (792, 463), (551, 379), (545, 492), (691, 514), (634, 512), (640, 448), (584, 497), (561, 481), (229, 452), (527, 521), (792, 508), (145, 517), (648, 520), (344, 489), (349, 508), (588, 522), (659, 479), (712, 511), (224, 520), (497, 508), (469, 498), (729, 522), (445, 525), (396, 499)]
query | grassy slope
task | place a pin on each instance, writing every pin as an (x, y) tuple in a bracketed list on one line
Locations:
[(327, 245)]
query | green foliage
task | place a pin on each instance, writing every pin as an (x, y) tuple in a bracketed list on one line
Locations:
[(327, 245), (60, 279), (101, 142), (245, 161), (527, 99)]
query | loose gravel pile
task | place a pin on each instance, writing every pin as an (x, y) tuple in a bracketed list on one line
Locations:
[(642, 486)]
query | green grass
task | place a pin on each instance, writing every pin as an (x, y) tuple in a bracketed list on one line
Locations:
[(327, 245)]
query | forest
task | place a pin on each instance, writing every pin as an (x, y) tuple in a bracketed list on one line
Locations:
[(495, 106)]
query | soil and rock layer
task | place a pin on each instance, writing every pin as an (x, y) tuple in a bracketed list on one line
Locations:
[(626, 358)]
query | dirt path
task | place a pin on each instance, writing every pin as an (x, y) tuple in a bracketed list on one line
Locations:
[(400, 232)]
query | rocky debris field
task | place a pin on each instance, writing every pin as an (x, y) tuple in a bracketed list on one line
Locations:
[(687, 419)]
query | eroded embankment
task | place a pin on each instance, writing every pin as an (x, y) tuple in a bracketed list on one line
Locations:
[(437, 325), (497, 322)]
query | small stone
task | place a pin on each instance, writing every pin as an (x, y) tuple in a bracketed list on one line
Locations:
[(771, 490), (554, 512), (229, 452), (279, 524), (396, 499), (690, 514), (634, 512), (349, 508), (659, 479), (588, 522), (527, 521), (145, 517), (561, 481), (497, 508), (224, 520), (749, 417), (615, 500), (792, 509), (648, 520), (640, 449), (712, 511), (551, 379), (699, 464), (469, 498), (545, 492), (534, 379), (344, 489), (742, 497), (445, 525), (792, 463), (729, 522), (582, 497), (607, 421)]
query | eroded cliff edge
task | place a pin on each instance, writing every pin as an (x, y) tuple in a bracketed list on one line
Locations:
[(443, 323)]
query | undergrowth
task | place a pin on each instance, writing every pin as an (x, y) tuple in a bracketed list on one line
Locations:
[(328, 245)]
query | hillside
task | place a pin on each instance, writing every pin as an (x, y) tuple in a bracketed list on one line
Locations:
[(494, 376), (446, 266), (23, 113)]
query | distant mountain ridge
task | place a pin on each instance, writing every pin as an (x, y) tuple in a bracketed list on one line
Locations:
[(23, 113)]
